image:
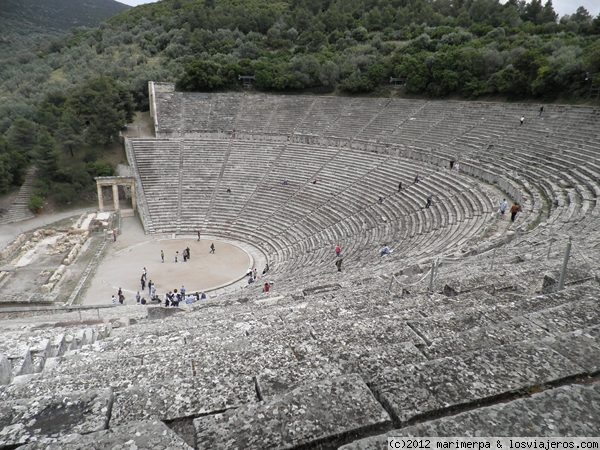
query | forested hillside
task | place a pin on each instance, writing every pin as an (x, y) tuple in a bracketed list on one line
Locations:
[(59, 14), (27, 22), (466, 48)]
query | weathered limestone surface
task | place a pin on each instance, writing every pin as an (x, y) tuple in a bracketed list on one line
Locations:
[(5, 370), (434, 385), (183, 398), (150, 435), (570, 316), (581, 346), (22, 421), (566, 411), (485, 336), (310, 414)]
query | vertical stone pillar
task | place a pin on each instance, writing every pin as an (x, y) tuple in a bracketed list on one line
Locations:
[(133, 198), (115, 188), (100, 197), (5, 370)]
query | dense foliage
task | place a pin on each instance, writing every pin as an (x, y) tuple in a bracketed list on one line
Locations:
[(468, 48), (63, 138)]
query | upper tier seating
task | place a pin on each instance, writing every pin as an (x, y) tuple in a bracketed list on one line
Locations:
[(270, 149)]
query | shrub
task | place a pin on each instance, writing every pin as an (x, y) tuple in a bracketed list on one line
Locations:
[(36, 203)]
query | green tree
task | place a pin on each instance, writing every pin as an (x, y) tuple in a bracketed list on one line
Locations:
[(22, 136), (69, 132), (533, 11), (6, 176), (207, 75), (103, 107), (46, 155), (548, 14)]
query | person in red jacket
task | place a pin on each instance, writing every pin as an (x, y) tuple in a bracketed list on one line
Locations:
[(266, 287), (514, 209), (338, 250)]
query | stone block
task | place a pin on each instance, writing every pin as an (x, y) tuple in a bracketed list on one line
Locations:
[(571, 410), (310, 415), (160, 312), (579, 347), (25, 420), (134, 435), (549, 284), (183, 398), (436, 385), (450, 291), (5, 370)]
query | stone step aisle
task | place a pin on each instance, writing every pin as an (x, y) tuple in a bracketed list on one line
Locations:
[(19, 209)]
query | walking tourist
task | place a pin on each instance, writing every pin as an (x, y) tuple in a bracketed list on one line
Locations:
[(162, 256), (503, 206), (522, 120), (338, 264), (338, 250), (212, 248), (514, 209)]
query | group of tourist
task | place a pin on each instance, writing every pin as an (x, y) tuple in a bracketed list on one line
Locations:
[(252, 276), (514, 209), (175, 297), (172, 298), (186, 253)]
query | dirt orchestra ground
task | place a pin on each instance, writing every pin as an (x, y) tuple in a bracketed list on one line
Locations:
[(125, 259)]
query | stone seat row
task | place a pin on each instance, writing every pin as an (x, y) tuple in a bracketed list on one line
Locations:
[(197, 343), (336, 116), (279, 369), (447, 330)]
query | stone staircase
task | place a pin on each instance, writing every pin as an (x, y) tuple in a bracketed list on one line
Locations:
[(19, 209), (32, 352)]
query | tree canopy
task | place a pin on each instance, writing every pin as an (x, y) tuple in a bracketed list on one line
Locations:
[(82, 88)]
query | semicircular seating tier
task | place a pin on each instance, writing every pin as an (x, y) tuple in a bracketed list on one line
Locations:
[(294, 175)]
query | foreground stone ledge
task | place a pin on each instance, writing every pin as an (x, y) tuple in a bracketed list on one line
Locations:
[(414, 390), (566, 411), (151, 435), (183, 398), (311, 414), (26, 420)]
